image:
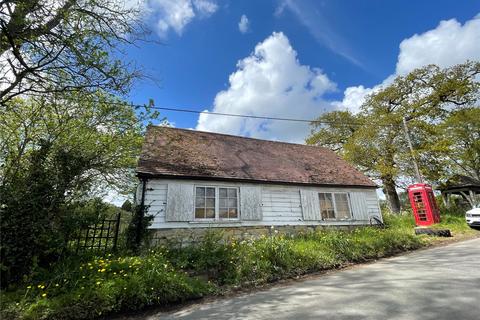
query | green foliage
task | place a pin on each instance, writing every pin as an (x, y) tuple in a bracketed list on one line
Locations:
[(137, 231), (55, 154), (104, 285), (457, 143), (89, 288)]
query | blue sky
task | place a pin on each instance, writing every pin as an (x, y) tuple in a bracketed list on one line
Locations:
[(308, 54)]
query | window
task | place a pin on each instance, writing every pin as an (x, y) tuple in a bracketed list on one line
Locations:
[(228, 204), (334, 206), (216, 203)]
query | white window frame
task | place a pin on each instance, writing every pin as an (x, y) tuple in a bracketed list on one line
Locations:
[(217, 203), (335, 206)]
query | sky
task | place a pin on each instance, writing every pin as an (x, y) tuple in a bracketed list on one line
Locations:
[(292, 59)]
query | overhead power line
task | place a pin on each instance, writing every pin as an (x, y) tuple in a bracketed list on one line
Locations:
[(254, 117), (246, 116)]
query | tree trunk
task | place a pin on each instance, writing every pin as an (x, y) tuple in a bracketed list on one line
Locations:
[(391, 194)]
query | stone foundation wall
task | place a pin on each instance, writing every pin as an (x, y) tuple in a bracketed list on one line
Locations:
[(186, 236)]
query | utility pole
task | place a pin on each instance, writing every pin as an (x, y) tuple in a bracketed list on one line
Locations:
[(410, 145)]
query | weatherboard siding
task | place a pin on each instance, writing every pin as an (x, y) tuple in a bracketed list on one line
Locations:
[(280, 204)]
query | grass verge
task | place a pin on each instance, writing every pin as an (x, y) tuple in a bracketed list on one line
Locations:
[(89, 288)]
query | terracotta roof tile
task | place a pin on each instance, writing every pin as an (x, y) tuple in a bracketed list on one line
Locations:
[(196, 154)]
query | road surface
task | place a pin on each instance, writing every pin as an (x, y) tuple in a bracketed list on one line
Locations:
[(437, 283)]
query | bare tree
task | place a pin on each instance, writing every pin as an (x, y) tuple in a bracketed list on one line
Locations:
[(66, 45)]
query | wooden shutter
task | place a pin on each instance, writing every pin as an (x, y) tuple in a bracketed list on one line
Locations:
[(251, 203), (358, 202), (310, 205), (180, 200)]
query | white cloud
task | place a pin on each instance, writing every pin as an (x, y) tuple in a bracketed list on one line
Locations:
[(177, 14), (448, 44), (205, 7), (243, 24), (270, 82), (353, 98)]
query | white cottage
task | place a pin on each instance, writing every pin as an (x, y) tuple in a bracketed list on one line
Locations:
[(192, 179)]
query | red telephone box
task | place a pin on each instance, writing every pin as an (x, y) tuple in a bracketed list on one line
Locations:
[(423, 203)]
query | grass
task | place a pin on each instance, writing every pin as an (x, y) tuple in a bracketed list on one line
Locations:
[(93, 287)]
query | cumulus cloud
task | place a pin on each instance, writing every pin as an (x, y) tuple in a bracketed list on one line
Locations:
[(243, 24), (353, 98), (270, 82), (448, 44), (177, 14)]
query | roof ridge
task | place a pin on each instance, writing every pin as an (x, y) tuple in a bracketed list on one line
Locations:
[(236, 136)]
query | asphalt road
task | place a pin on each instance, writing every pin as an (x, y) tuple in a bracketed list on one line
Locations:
[(437, 283)]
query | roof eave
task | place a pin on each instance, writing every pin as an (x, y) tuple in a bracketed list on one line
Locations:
[(150, 175)]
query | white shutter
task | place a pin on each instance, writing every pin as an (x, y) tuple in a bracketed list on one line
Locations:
[(180, 201), (310, 205), (358, 201), (251, 203)]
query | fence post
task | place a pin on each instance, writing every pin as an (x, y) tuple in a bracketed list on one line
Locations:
[(117, 227)]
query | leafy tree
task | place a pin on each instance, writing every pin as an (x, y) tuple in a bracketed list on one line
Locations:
[(374, 139), (56, 152), (66, 45), (457, 143)]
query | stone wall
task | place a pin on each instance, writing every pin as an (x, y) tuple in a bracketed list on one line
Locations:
[(186, 236)]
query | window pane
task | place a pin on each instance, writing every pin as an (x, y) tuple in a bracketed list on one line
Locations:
[(210, 203), (199, 202), (223, 203), (326, 205), (232, 203), (232, 193), (210, 213), (223, 213), (210, 192), (199, 213), (232, 213), (223, 192), (343, 209), (200, 191)]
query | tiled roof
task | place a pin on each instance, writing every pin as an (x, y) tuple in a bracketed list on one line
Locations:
[(195, 154)]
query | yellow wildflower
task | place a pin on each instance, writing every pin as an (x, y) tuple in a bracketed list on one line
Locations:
[(98, 282), (29, 287), (44, 295)]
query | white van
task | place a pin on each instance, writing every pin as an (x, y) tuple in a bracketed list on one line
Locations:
[(473, 217)]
